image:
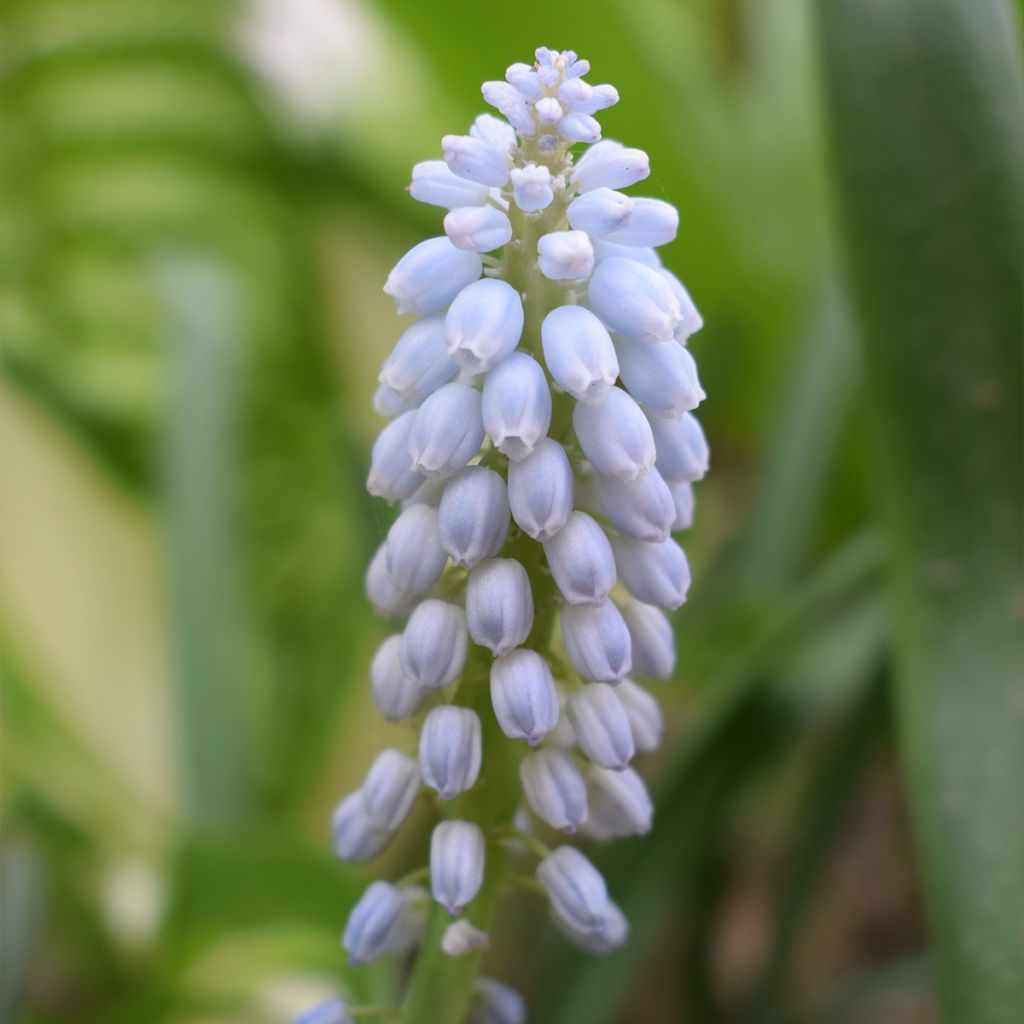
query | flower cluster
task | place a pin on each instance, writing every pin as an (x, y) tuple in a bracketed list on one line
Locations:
[(543, 448)]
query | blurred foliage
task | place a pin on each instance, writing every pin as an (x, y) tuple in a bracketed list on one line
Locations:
[(199, 203)]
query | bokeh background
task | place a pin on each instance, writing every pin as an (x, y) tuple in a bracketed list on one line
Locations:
[(201, 201)]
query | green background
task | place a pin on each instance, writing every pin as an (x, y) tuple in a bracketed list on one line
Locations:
[(200, 202)]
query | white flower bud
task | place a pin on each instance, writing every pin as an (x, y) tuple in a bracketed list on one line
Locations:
[(493, 132), (565, 255), (524, 79), (654, 645), (601, 98), (512, 104), (614, 434), (387, 402), (610, 165), (434, 183), (605, 250), (391, 474), (654, 222), (447, 431), (597, 641), (683, 455), (661, 377), (634, 300), (415, 558), (644, 714), (531, 187), (433, 648), (373, 924), (389, 789), (393, 691), (450, 749), (682, 495), (554, 788), (548, 110), (614, 934), (385, 597), (474, 159), (516, 405), (653, 573), (639, 508), (473, 518), (524, 696), (581, 560), (500, 1004), (483, 324), (579, 352), (574, 91), (419, 363), (456, 864), (499, 605), (620, 801), (601, 725), (430, 275), (540, 490), (330, 1011), (600, 212), (692, 320), (354, 836), (460, 938), (577, 892), (478, 228), (579, 127)]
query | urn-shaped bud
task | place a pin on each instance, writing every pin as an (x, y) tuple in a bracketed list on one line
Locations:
[(581, 560), (610, 165), (554, 788), (661, 377), (549, 111), (433, 649), (391, 473), (644, 714), (389, 789), (565, 255), (512, 104), (641, 508), (473, 159), (483, 324), (597, 641), (540, 490), (433, 182), (385, 597), (523, 695), (373, 924), (682, 497), (692, 320), (447, 431), (619, 801), (493, 131), (430, 275), (353, 835), (577, 891), (605, 250), (516, 405), (614, 434), (654, 645), (683, 455), (654, 222), (415, 558), (653, 573), (600, 212), (634, 300), (579, 127), (450, 749), (478, 228), (460, 938), (419, 363), (579, 352), (394, 693), (389, 403), (531, 187), (499, 605), (456, 864), (330, 1011), (473, 517), (613, 935), (499, 1004), (601, 726)]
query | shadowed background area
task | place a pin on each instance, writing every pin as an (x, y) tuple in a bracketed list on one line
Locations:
[(200, 203)]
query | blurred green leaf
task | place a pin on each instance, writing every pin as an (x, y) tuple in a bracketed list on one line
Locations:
[(926, 112)]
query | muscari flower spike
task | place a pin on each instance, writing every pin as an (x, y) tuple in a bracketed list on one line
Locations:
[(543, 445)]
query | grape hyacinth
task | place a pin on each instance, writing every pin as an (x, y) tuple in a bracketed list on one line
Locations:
[(542, 446)]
